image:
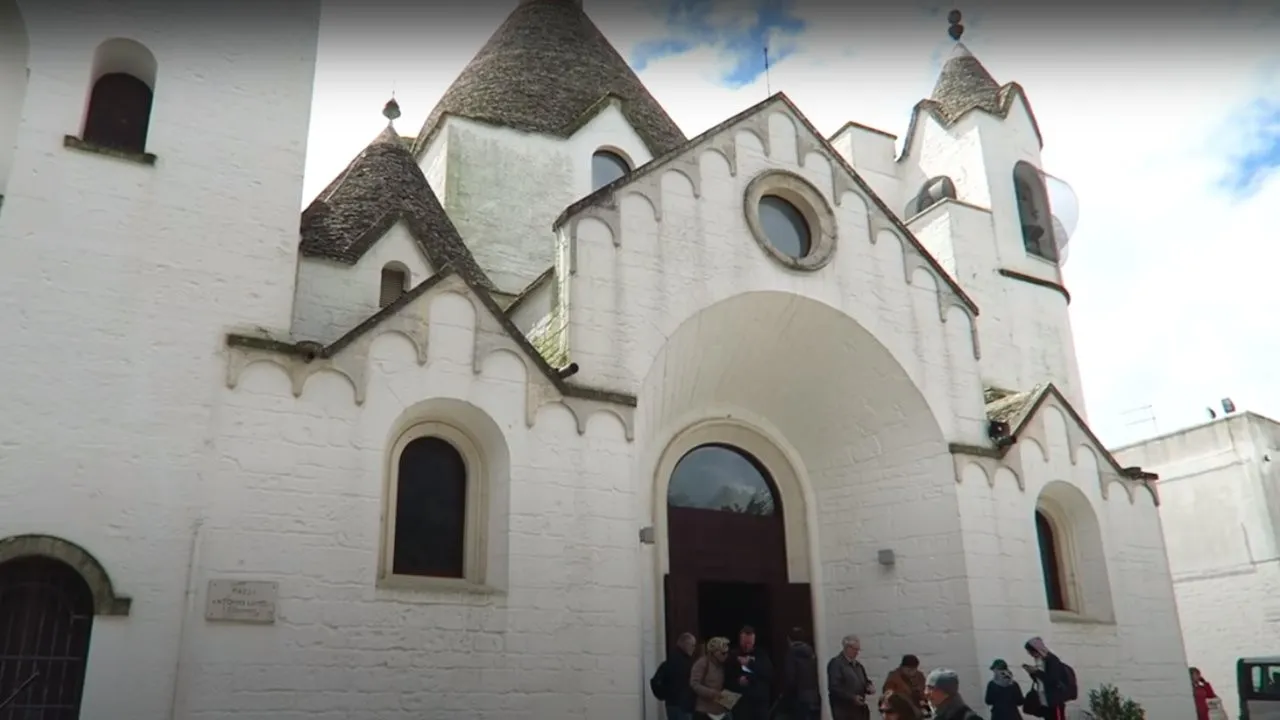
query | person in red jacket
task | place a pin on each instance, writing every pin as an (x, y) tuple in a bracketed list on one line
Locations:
[(1203, 692)]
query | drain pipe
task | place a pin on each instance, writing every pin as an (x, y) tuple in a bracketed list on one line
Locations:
[(179, 695)]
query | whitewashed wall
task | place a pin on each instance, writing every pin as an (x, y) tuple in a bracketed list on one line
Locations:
[(121, 280), (1122, 624), (1219, 505), (503, 188)]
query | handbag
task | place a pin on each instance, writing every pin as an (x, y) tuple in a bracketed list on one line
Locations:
[(1216, 711), (1031, 704)]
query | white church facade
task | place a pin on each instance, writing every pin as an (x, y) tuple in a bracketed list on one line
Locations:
[(520, 398)]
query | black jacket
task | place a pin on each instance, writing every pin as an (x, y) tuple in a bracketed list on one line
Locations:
[(673, 677), (756, 692), (800, 675), (1005, 701), (1053, 678), (955, 709)]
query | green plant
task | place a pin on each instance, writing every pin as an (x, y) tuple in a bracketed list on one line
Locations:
[(1106, 703)]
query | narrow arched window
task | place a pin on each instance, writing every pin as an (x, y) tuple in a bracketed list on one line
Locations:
[(118, 114), (1033, 211), (430, 510), (395, 281), (1050, 562), (607, 166), (934, 191)]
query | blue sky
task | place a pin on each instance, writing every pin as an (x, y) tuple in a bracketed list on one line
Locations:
[(1167, 127)]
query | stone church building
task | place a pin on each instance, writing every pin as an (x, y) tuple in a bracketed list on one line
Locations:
[(521, 397)]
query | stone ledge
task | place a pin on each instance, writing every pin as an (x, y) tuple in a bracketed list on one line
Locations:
[(71, 141), (1068, 617)]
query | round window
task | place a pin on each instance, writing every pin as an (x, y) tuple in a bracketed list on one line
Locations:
[(785, 227)]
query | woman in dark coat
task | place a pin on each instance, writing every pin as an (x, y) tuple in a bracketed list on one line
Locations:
[(1004, 696)]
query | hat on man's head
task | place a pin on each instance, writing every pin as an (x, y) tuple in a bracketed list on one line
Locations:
[(999, 665), (945, 680)]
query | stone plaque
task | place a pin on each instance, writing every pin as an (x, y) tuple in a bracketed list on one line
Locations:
[(245, 601)]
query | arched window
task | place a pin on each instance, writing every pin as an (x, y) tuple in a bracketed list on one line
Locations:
[(435, 507), (395, 281), (607, 166), (719, 477), (46, 612), (1050, 562), (935, 190), (118, 115), (1033, 211)]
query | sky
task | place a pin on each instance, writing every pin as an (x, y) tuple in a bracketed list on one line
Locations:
[(1165, 123)]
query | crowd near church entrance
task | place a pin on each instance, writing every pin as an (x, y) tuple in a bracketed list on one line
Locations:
[(726, 539)]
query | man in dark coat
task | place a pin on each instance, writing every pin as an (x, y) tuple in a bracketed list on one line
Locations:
[(748, 671), (847, 683), (943, 689), (671, 682), (800, 691)]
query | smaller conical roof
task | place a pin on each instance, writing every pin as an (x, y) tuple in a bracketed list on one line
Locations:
[(964, 84), (383, 185)]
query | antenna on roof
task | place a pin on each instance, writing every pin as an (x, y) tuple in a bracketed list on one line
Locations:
[(768, 88)]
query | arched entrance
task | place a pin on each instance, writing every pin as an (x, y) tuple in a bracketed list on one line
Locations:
[(727, 544), (46, 617)]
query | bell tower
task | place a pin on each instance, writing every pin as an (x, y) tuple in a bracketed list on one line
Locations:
[(980, 200)]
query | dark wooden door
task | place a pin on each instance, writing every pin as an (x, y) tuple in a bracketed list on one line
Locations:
[(792, 605), (727, 547), (46, 615), (681, 595)]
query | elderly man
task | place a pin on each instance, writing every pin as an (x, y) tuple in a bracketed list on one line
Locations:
[(847, 683), (943, 690)]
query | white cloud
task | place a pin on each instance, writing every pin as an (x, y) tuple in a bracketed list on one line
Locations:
[(1170, 275)]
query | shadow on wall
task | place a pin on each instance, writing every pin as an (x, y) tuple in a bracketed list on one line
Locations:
[(14, 73)]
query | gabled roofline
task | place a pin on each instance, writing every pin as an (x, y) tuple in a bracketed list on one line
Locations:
[(1030, 407), (932, 108), (530, 289), (311, 351), (860, 126), (833, 155)]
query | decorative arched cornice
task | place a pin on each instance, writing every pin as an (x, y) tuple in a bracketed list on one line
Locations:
[(105, 599)]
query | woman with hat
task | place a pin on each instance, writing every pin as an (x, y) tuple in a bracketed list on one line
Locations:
[(1004, 696)]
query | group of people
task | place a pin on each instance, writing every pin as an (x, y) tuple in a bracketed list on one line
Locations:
[(736, 682)]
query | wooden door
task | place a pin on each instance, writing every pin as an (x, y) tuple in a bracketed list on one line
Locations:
[(792, 605), (681, 595)]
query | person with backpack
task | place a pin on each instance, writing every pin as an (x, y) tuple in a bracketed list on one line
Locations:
[(943, 690), (670, 683), (1055, 682)]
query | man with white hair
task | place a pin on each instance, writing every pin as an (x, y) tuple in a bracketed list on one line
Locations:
[(848, 684), (943, 690)]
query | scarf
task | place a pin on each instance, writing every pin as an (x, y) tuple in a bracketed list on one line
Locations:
[(1003, 678)]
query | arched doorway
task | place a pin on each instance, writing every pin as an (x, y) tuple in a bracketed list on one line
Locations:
[(46, 617), (726, 539)]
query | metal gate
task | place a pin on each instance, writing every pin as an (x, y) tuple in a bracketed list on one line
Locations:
[(46, 616)]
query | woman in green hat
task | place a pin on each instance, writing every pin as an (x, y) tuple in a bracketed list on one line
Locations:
[(1004, 696)]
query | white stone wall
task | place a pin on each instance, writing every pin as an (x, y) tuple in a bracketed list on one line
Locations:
[(503, 189), (298, 497), (1218, 511), (1121, 626), (334, 297), (121, 280), (1025, 329)]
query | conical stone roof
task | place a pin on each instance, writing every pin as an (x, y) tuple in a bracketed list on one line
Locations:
[(542, 71), (964, 84)]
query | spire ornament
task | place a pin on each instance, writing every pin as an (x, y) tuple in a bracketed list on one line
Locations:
[(391, 110), (956, 29)]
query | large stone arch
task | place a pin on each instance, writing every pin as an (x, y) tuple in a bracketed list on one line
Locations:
[(105, 599), (855, 440)]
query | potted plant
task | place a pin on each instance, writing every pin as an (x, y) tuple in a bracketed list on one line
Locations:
[(1106, 703)]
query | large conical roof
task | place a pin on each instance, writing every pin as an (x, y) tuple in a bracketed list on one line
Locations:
[(964, 84), (542, 71)]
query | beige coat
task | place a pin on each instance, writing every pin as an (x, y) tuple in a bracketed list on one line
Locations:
[(707, 681)]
